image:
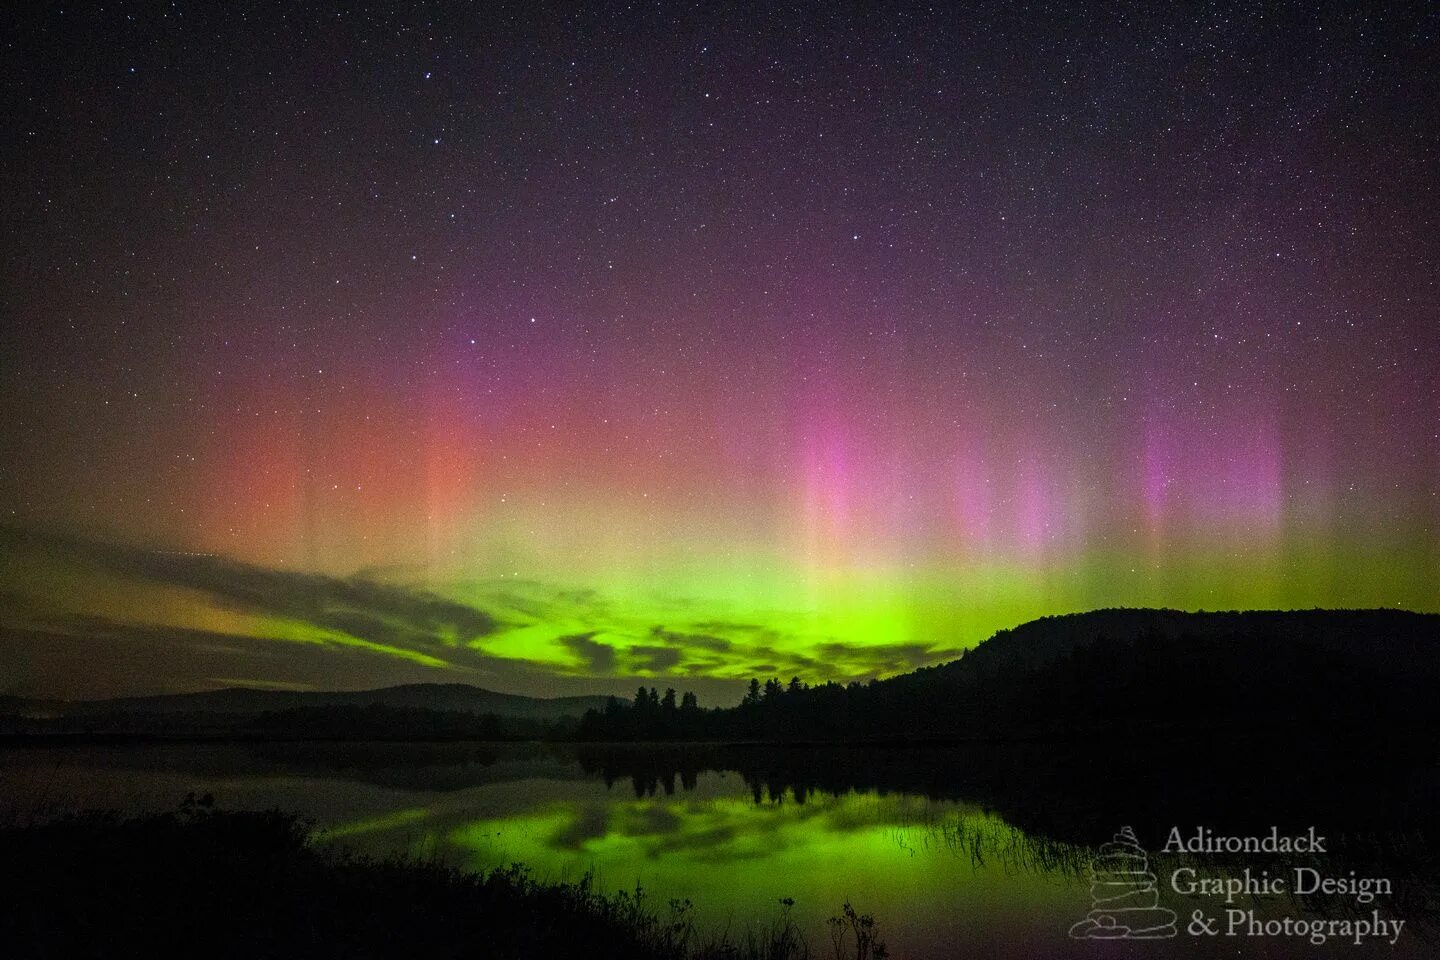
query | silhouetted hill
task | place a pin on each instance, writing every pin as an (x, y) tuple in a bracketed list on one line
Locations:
[(1111, 676), (243, 701), (1367, 634)]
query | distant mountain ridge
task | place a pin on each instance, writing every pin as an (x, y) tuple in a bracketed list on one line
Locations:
[(1039, 642), (249, 701)]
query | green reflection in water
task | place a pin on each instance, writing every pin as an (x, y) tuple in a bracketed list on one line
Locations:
[(943, 877), (899, 857)]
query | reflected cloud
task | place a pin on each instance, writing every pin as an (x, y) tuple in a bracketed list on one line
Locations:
[(702, 830), (590, 822)]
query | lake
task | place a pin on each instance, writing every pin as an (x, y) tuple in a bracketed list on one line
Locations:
[(973, 852)]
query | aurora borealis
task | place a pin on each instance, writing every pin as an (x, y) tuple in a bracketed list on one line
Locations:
[(547, 350)]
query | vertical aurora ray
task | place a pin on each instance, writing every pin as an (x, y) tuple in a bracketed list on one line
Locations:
[(738, 373)]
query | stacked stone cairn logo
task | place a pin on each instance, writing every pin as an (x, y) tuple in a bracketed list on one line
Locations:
[(1124, 895)]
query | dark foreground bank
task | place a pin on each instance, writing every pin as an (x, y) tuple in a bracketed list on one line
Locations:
[(207, 884)]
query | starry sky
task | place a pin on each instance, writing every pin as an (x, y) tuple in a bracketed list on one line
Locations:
[(545, 350)]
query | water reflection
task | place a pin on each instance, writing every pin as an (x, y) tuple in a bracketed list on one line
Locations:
[(981, 846)]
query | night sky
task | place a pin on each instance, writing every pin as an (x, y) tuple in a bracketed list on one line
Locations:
[(542, 351)]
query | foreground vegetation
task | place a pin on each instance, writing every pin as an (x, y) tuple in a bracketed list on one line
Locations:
[(205, 883)]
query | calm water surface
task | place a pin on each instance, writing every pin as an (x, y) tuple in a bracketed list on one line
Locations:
[(945, 874)]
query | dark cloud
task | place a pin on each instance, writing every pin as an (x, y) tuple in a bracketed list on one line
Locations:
[(879, 658), (536, 608), (704, 665), (92, 657), (676, 638), (843, 661), (92, 627), (599, 657), (538, 601), (656, 659), (411, 628), (375, 612), (376, 629)]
